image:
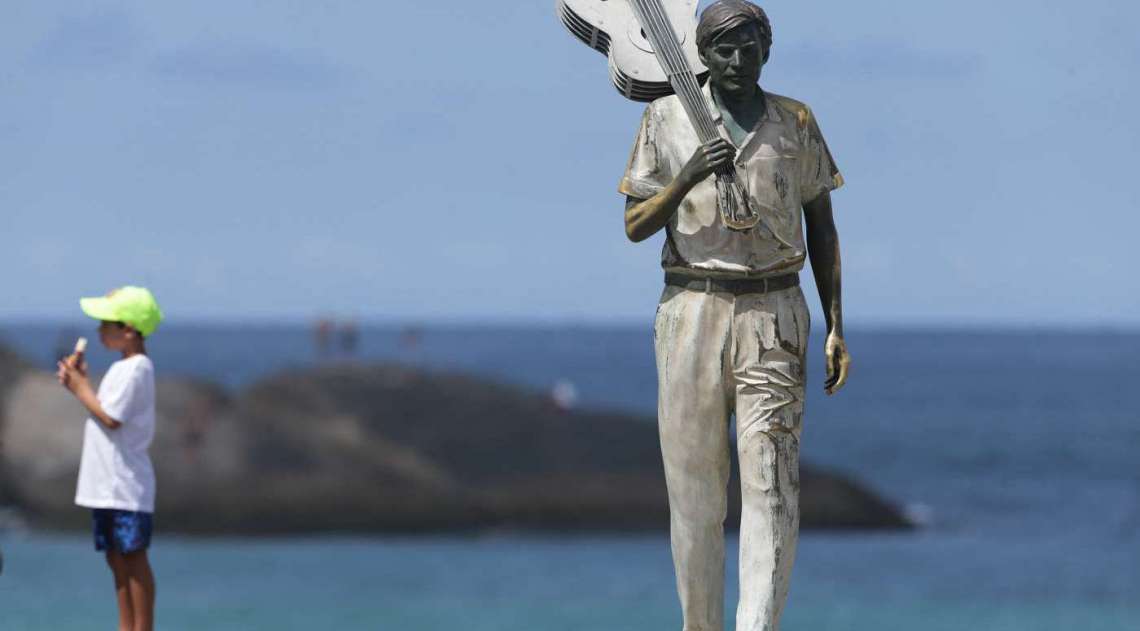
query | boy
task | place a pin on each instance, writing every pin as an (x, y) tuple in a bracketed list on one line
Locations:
[(116, 479)]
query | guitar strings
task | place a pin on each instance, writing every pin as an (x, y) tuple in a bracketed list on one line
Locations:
[(675, 57), (728, 190), (668, 57), (678, 67), (671, 57), (688, 82), (685, 84)]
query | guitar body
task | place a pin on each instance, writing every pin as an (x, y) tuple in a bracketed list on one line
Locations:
[(612, 28)]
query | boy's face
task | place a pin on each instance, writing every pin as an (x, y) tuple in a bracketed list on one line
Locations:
[(115, 336)]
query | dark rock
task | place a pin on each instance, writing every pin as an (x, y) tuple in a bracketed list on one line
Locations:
[(12, 368), (382, 448)]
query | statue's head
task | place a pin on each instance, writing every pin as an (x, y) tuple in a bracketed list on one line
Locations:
[(734, 39)]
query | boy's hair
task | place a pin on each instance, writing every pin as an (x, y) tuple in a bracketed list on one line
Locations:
[(724, 15), (121, 325), (124, 325)]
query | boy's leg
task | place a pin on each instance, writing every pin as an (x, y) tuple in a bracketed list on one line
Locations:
[(128, 534), (103, 528), (140, 584), (118, 567)]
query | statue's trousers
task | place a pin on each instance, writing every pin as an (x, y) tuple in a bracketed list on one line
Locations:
[(719, 354)]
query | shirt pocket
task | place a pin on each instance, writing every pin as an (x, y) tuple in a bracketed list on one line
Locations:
[(773, 179), (772, 182)]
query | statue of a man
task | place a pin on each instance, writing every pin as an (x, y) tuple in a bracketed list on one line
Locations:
[(732, 325)]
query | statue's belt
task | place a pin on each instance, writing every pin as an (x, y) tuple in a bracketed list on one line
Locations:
[(732, 285)]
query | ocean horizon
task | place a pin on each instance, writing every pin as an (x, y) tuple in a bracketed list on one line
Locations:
[(1016, 448)]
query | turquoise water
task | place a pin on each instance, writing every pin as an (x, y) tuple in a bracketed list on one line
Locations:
[(1019, 448), (932, 582)]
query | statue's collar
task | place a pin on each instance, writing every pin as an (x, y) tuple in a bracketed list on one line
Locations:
[(770, 111)]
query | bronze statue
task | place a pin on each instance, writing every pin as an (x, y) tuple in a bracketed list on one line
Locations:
[(732, 325)]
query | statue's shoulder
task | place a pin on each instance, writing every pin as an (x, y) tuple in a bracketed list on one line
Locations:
[(666, 107), (798, 109)]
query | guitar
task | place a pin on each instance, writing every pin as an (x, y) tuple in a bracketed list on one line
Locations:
[(611, 27), (648, 41)]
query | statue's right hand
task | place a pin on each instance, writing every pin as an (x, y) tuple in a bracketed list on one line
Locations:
[(708, 158)]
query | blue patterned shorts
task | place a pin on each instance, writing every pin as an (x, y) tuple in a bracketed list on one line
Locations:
[(121, 530)]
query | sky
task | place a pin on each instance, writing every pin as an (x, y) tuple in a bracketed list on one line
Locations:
[(455, 161)]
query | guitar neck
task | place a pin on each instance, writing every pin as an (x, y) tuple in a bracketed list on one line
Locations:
[(660, 32)]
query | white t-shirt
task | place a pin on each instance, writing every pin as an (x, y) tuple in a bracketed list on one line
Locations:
[(115, 470)]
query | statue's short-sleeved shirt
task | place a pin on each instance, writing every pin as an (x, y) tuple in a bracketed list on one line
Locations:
[(783, 163)]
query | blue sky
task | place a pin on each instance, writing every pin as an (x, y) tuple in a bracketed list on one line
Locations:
[(458, 161)]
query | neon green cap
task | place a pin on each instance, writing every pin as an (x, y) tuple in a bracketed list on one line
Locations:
[(134, 306)]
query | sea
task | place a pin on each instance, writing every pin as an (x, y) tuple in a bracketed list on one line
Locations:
[(1017, 450)]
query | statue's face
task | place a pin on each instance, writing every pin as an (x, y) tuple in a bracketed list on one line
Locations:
[(734, 60)]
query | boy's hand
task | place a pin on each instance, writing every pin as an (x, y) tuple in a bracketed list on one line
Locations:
[(73, 377), (76, 361)]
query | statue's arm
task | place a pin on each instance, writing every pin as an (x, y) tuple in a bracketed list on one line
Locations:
[(823, 249), (644, 217)]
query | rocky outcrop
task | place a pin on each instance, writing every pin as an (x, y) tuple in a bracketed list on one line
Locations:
[(12, 368), (380, 448)]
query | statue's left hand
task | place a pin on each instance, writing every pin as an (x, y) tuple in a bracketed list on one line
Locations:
[(838, 362)]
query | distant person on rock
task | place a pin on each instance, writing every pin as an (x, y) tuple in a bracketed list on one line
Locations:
[(349, 337), (322, 337), (116, 479)]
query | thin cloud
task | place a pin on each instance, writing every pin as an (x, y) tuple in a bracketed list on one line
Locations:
[(246, 66), (91, 40), (878, 59)]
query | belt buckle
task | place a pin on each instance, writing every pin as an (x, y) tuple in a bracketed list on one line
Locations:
[(708, 285), (765, 285)]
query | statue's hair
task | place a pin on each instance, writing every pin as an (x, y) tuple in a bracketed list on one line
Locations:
[(724, 15)]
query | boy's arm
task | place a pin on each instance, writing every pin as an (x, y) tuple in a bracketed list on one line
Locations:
[(75, 380)]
